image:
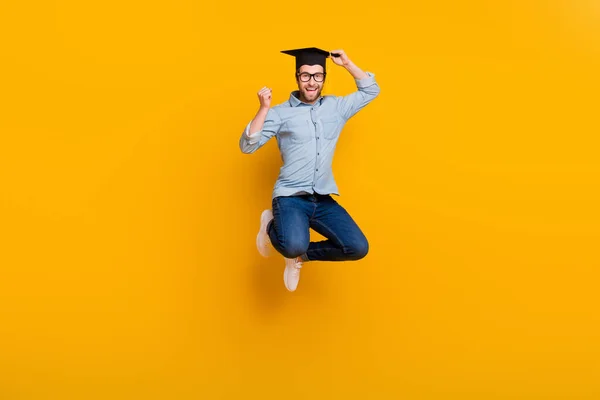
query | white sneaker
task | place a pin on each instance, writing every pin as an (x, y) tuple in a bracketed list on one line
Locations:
[(291, 275), (263, 241)]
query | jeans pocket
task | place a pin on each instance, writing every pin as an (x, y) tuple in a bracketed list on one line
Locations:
[(275, 204)]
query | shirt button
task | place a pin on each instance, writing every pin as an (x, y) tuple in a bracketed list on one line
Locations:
[(318, 154)]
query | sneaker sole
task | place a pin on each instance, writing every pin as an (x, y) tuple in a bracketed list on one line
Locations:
[(285, 276), (285, 273), (261, 238)]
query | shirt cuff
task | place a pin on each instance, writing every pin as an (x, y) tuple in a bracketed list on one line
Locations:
[(365, 82), (252, 139)]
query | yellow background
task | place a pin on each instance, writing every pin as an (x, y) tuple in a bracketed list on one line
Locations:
[(128, 213)]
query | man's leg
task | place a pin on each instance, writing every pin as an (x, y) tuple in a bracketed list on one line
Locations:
[(290, 234), (345, 241), (289, 229)]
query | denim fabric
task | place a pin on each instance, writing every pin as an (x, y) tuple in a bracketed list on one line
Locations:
[(294, 215)]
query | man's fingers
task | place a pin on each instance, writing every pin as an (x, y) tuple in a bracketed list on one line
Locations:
[(264, 94)]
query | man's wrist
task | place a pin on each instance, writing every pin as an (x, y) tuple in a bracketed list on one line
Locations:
[(356, 72)]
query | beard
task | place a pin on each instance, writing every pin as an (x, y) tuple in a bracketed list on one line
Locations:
[(310, 96)]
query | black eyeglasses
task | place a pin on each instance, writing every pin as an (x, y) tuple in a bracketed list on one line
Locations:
[(305, 76)]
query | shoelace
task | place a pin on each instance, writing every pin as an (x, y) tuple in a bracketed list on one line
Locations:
[(296, 265)]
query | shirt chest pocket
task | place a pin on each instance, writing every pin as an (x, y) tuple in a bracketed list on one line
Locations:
[(298, 130), (330, 127)]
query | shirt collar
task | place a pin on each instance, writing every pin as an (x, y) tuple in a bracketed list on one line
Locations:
[(295, 101)]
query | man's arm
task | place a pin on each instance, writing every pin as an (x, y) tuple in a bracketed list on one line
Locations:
[(356, 72), (263, 127), (368, 89), (267, 126)]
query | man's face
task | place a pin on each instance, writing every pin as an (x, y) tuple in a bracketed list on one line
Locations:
[(310, 91)]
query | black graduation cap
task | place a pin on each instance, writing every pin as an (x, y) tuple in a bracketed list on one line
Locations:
[(309, 56)]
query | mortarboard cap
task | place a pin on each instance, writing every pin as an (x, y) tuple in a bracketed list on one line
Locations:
[(308, 56)]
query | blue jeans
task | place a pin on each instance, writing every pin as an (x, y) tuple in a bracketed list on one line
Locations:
[(294, 215)]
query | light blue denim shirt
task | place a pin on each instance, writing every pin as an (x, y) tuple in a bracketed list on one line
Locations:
[(307, 135)]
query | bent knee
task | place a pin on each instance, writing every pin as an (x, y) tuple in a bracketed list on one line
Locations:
[(358, 249), (293, 249)]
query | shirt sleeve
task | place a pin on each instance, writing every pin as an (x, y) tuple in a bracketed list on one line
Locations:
[(250, 142), (368, 89)]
